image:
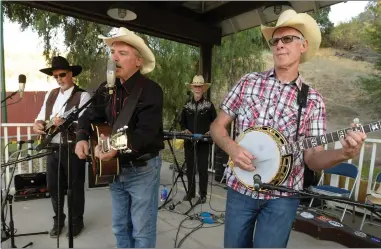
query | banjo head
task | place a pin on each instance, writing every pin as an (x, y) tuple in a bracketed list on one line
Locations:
[(263, 143)]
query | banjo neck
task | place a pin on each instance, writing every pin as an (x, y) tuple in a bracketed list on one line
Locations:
[(335, 136)]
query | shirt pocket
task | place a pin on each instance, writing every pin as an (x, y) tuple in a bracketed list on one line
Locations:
[(253, 108), (288, 121)]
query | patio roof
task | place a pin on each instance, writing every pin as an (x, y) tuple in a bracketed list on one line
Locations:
[(190, 22)]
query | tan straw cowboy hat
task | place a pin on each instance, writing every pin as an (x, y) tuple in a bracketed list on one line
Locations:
[(129, 37), (304, 23), (198, 80)]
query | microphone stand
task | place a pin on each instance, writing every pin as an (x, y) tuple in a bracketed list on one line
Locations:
[(69, 196), (9, 198), (305, 194), (27, 158), (10, 96), (179, 170), (60, 129)]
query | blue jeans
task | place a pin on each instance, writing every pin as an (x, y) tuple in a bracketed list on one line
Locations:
[(274, 221), (134, 205)]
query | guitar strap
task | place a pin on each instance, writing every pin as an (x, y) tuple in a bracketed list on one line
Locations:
[(129, 107)]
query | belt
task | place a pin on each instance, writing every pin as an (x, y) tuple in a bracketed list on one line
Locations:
[(140, 161)]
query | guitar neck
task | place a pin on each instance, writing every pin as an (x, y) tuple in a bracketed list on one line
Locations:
[(335, 136)]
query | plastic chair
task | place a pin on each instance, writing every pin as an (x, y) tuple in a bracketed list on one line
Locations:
[(342, 169), (372, 200)]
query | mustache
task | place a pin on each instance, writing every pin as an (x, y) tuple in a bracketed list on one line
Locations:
[(118, 65)]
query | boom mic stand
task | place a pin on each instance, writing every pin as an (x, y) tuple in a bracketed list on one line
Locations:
[(179, 170), (10, 96), (9, 198), (304, 194)]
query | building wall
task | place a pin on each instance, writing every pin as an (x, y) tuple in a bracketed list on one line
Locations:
[(24, 111)]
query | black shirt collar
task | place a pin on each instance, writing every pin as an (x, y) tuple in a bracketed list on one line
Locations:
[(201, 99), (130, 82)]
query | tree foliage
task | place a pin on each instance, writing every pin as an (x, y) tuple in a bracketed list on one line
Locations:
[(238, 54), (348, 35), (176, 63), (326, 26), (373, 26), (372, 84), (80, 39), (356, 33)]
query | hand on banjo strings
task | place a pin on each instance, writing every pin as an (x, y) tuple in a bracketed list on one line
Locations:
[(242, 158), (352, 143)]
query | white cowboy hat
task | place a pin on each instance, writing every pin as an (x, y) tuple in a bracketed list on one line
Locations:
[(304, 23), (129, 37), (198, 80)]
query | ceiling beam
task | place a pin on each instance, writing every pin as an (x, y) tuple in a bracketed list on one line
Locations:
[(174, 4), (178, 8), (163, 24), (230, 10)]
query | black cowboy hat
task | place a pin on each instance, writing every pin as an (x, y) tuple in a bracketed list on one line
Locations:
[(59, 62)]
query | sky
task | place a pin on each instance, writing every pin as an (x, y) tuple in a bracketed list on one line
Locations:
[(23, 57)]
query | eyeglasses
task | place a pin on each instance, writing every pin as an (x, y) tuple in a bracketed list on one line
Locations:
[(285, 39), (61, 75)]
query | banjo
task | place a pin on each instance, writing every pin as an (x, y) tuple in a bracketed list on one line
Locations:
[(274, 154)]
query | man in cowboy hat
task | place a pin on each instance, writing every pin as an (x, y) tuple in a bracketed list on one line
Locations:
[(196, 116), (271, 99), (135, 192), (58, 102)]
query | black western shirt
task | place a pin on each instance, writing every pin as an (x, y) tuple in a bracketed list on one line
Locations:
[(197, 116), (145, 129)]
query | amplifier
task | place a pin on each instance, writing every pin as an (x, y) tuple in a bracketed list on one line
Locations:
[(31, 186)]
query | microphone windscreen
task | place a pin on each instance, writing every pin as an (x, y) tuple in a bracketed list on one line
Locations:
[(22, 78)]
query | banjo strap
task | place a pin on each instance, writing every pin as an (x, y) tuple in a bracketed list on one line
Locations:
[(302, 102)]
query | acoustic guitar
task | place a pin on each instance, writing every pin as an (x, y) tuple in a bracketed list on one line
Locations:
[(51, 128), (105, 171)]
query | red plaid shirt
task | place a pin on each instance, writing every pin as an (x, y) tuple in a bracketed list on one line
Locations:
[(260, 99)]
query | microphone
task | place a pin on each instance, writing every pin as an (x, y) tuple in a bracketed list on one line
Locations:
[(22, 81), (111, 67), (257, 182), (188, 96)]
